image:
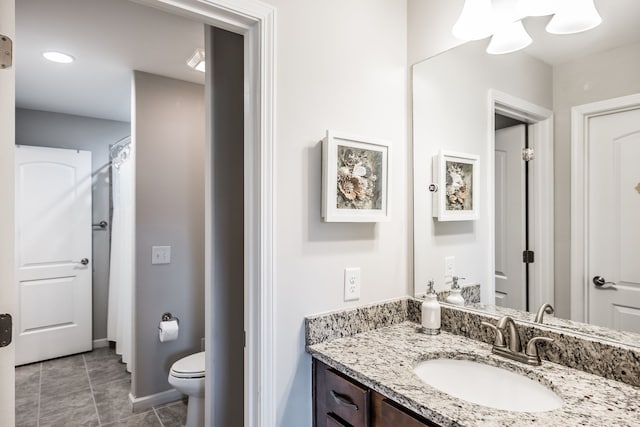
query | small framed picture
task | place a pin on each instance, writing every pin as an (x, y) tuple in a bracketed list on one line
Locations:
[(355, 178), (456, 195)]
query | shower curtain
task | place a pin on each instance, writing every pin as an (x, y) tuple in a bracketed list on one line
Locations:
[(119, 316)]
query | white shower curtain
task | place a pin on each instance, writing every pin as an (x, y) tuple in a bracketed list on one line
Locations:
[(119, 317)]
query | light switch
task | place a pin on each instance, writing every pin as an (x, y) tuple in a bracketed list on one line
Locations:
[(160, 254)]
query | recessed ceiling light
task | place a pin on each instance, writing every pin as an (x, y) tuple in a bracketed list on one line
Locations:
[(59, 57), (196, 61)]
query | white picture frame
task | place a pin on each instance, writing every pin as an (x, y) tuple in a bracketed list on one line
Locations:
[(355, 178), (457, 195)]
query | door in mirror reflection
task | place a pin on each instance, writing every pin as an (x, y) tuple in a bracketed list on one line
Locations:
[(510, 223), (613, 146)]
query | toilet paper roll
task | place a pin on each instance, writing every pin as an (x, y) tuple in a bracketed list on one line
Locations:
[(168, 330)]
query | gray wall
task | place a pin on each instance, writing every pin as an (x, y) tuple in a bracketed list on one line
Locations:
[(595, 78), (225, 350), (47, 129), (168, 132)]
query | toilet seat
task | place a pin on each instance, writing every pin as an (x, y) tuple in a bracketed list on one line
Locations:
[(189, 367)]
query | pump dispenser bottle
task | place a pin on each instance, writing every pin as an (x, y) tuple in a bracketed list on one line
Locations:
[(431, 311), (455, 296)]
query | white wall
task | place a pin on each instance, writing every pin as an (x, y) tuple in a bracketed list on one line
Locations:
[(341, 65), (429, 27), (47, 129), (168, 132), (597, 77), (451, 112)]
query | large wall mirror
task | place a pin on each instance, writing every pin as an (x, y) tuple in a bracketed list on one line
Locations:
[(574, 99)]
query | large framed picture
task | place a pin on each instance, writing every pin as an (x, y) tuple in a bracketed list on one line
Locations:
[(355, 178), (456, 196)]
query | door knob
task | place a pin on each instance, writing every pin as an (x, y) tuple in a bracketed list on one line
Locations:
[(601, 283), (84, 261)]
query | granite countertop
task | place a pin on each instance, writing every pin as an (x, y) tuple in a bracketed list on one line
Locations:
[(383, 359)]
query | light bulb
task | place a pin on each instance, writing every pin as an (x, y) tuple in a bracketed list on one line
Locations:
[(475, 22), (574, 16), (509, 38), (59, 57), (537, 7)]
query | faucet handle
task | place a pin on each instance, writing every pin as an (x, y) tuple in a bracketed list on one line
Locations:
[(532, 349), (499, 340), (544, 308)]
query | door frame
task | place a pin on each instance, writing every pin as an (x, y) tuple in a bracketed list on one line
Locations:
[(256, 22), (541, 233), (580, 116), (8, 301)]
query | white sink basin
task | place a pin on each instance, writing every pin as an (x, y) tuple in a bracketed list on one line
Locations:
[(487, 385)]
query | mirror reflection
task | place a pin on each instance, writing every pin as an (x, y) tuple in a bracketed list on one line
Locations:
[(571, 212)]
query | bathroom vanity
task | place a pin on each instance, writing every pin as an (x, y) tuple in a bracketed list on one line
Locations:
[(364, 361)]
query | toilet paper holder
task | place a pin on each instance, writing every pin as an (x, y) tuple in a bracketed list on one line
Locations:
[(168, 316)]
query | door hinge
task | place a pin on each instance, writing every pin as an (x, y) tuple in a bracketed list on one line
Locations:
[(527, 154), (527, 257), (6, 52), (6, 325), (244, 339)]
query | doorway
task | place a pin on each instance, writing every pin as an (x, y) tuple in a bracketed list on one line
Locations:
[(512, 253), (539, 209), (256, 22)]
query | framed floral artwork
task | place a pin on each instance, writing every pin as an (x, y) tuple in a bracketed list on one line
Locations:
[(456, 193), (355, 178)]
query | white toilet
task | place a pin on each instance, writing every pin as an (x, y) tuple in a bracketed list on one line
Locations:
[(187, 376)]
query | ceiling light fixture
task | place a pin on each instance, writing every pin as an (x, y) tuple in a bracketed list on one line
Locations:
[(196, 61), (574, 16), (502, 19), (59, 57)]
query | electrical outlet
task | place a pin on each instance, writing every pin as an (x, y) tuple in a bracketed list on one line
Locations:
[(449, 268), (351, 284), (160, 254)]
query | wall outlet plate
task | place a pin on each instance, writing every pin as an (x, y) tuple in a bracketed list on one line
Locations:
[(351, 284), (160, 254), (449, 268)]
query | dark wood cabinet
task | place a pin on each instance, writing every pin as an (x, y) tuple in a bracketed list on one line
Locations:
[(340, 401)]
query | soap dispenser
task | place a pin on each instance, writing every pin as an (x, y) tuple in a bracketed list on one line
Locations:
[(431, 311), (455, 296)]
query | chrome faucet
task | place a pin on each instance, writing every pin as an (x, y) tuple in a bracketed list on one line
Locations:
[(544, 308), (514, 351)]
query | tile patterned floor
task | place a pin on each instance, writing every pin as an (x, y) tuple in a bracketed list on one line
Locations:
[(90, 389)]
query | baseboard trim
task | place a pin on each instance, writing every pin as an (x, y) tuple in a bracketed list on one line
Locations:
[(145, 402), (102, 342)]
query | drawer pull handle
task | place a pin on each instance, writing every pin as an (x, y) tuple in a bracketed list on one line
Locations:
[(343, 400)]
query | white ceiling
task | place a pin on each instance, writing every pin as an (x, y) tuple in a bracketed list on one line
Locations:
[(109, 39), (620, 26)]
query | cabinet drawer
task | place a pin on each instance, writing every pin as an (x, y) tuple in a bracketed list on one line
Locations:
[(347, 400), (334, 422)]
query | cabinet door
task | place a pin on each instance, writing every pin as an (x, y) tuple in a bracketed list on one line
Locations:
[(386, 413)]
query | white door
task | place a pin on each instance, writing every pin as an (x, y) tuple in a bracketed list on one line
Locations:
[(53, 252), (613, 238), (510, 217), (7, 140)]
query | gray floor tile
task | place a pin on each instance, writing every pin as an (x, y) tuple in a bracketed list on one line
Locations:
[(145, 419), (112, 400), (65, 375), (28, 376), (63, 403), (26, 405), (75, 409), (101, 353), (105, 370), (174, 414)]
